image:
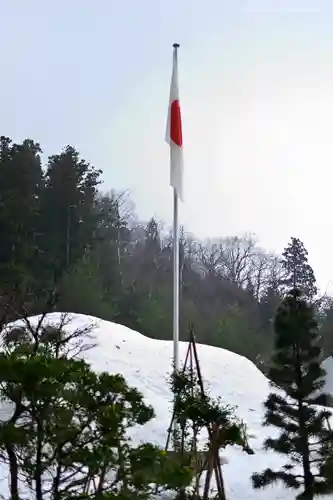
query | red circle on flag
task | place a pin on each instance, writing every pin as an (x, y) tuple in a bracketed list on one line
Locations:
[(176, 124)]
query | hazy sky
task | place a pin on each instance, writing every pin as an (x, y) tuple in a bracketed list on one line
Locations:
[(256, 84)]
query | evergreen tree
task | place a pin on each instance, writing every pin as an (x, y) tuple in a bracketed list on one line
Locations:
[(111, 239), (21, 179), (299, 274), (269, 303), (295, 368), (68, 205), (81, 290)]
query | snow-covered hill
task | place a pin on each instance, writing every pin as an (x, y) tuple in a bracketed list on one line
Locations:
[(146, 364)]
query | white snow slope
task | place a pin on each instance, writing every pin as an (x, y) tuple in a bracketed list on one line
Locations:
[(146, 364), (328, 367)]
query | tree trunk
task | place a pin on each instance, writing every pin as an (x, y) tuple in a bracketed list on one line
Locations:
[(13, 471), (308, 493), (308, 477)]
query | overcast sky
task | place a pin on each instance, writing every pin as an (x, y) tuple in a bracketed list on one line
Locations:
[(256, 85)]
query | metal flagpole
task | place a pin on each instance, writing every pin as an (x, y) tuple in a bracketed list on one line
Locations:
[(175, 281), (175, 259), (175, 270)]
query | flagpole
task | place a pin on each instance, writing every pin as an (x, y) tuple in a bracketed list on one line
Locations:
[(175, 281), (175, 274), (174, 138), (175, 264)]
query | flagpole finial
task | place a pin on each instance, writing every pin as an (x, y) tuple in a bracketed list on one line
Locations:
[(176, 45)]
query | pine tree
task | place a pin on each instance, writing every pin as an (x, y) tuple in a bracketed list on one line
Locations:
[(68, 210), (299, 274), (304, 438), (21, 180)]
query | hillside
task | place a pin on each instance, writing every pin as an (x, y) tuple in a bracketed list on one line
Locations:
[(62, 227), (146, 364)]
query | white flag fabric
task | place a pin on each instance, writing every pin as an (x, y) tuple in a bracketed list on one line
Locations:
[(174, 136)]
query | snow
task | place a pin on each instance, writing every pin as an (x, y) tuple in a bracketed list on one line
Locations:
[(146, 364), (328, 367)]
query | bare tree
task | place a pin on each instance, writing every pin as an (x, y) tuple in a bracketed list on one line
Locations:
[(236, 258), (240, 260), (124, 204), (230, 257), (257, 272), (267, 272)]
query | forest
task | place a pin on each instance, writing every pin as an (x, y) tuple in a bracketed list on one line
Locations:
[(71, 244), (65, 234)]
